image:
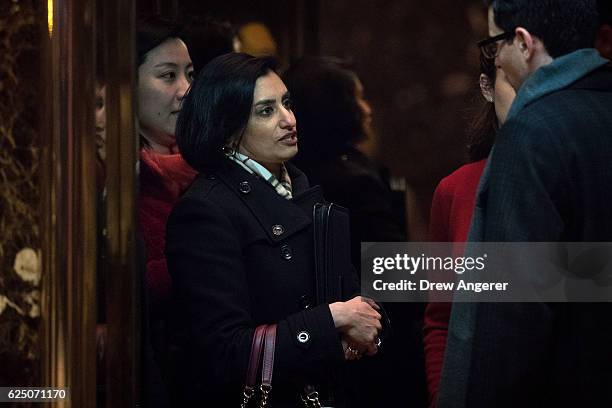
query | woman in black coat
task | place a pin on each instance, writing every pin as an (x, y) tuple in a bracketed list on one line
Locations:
[(240, 245)]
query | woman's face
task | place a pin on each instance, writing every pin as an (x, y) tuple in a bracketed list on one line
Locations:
[(503, 97), (163, 80), (270, 136), (364, 106), (101, 120)]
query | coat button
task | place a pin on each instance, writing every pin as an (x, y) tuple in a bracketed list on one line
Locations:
[(277, 230), (245, 187), (303, 337), (286, 252), (211, 177)]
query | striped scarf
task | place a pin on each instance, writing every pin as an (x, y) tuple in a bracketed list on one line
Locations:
[(282, 187)]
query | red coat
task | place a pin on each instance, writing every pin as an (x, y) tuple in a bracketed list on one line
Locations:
[(451, 214), (162, 180)]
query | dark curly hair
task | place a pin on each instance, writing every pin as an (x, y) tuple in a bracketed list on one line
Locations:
[(605, 12), (564, 26)]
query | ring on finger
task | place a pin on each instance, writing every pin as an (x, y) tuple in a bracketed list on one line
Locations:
[(354, 351)]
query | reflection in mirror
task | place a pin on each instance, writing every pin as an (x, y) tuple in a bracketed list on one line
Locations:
[(165, 70), (22, 27), (101, 194), (118, 277)]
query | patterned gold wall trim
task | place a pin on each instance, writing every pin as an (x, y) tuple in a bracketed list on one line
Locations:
[(22, 26), (68, 190)]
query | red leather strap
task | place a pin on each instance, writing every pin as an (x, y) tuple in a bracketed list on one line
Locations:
[(268, 357), (256, 347)]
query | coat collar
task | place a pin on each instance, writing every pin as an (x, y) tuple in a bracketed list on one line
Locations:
[(559, 74), (278, 216)]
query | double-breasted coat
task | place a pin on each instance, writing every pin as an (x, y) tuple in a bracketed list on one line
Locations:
[(240, 255)]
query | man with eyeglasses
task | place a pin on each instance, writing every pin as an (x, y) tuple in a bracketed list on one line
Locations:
[(548, 179)]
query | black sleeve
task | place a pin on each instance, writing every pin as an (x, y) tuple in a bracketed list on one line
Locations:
[(526, 194), (205, 261), (523, 204)]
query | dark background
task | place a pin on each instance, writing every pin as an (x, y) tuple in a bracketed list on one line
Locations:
[(417, 60)]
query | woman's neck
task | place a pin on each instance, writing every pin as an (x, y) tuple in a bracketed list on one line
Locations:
[(274, 168), (160, 148)]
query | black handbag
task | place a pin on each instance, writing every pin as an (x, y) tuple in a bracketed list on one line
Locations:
[(332, 260)]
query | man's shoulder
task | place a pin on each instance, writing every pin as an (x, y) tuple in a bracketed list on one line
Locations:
[(566, 108), (566, 120), (592, 89)]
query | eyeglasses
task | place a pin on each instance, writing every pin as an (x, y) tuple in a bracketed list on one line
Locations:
[(490, 47)]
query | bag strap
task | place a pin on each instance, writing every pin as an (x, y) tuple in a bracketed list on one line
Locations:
[(253, 367), (268, 364), (326, 279)]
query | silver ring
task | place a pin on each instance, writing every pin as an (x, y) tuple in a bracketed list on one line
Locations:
[(378, 342)]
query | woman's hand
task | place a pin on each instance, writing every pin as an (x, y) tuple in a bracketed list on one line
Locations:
[(350, 353), (359, 323)]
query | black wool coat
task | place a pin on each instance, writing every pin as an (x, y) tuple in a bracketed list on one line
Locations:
[(240, 255), (550, 181)]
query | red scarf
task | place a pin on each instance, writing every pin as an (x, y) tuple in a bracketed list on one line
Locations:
[(174, 173)]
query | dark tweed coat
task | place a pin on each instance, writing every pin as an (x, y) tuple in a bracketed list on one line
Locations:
[(240, 255), (550, 180)]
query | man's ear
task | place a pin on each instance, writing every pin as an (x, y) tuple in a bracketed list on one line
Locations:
[(486, 88), (525, 42)]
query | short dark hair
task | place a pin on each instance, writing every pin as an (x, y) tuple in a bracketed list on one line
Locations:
[(563, 26), (218, 107), (152, 31), (324, 102), (605, 12)]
